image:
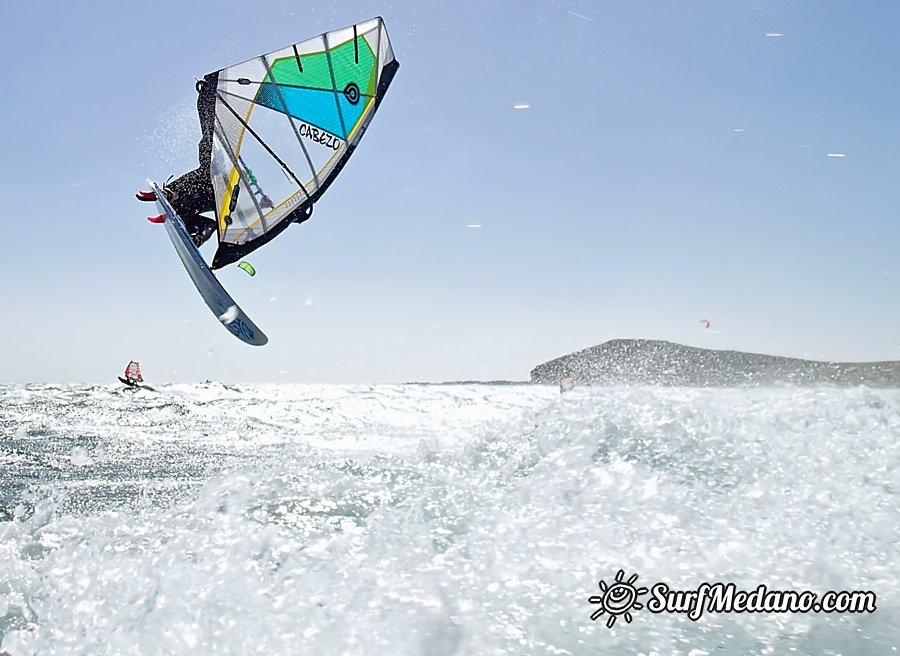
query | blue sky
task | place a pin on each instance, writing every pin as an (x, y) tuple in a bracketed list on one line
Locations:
[(673, 165)]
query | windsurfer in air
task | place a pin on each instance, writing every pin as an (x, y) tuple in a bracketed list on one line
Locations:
[(192, 193)]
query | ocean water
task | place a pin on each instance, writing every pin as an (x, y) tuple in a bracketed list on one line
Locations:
[(438, 520)]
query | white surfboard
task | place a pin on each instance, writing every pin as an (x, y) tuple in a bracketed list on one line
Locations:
[(217, 299)]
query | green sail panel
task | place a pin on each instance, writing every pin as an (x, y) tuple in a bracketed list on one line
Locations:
[(309, 94)]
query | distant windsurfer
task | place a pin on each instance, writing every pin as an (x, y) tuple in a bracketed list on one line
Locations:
[(192, 193), (133, 376)]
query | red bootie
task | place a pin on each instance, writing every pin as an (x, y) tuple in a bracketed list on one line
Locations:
[(157, 219)]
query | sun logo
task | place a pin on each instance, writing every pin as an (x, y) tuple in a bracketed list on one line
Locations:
[(618, 599)]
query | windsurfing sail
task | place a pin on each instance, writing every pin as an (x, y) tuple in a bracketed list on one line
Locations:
[(285, 125), (133, 373)]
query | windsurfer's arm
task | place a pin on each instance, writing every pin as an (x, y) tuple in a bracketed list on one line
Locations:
[(206, 112)]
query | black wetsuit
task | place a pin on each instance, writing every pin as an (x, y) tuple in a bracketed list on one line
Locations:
[(192, 193)]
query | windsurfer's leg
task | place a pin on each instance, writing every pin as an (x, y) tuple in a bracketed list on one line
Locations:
[(209, 227), (199, 227)]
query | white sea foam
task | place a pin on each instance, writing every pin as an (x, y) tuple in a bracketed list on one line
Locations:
[(292, 519)]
